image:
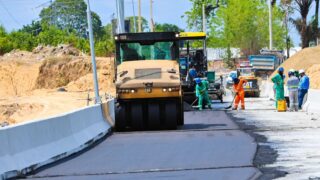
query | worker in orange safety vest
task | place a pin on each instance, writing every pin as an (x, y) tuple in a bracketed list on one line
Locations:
[(239, 92)]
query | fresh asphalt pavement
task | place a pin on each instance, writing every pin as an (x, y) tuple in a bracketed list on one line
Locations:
[(209, 146), (214, 144)]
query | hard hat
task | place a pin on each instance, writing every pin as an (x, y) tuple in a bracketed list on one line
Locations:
[(290, 73), (235, 80), (281, 69), (301, 71), (292, 70), (198, 80)]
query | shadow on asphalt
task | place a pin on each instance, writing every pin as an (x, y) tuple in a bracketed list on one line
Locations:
[(200, 126), (265, 155)]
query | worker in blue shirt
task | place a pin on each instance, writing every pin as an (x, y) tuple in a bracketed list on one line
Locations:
[(303, 87), (192, 73)]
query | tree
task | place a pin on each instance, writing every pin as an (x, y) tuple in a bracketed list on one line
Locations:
[(167, 28), (303, 7), (70, 15), (144, 23), (238, 23), (5, 44), (105, 46)]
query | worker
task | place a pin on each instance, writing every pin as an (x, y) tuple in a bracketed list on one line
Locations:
[(192, 73), (202, 93), (293, 84), (239, 92), (278, 81), (303, 87)]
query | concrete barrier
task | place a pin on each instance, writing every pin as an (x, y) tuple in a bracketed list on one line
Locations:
[(26, 147), (312, 104)]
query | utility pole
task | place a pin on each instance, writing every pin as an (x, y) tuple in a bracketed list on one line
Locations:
[(204, 26), (93, 58), (139, 14), (270, 25), (120, 14), (151, 17), (134, 18)]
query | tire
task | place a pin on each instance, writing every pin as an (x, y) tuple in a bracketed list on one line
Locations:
[(154, 121), (180, 113), (171, 117), (137, 116), (120, 122)]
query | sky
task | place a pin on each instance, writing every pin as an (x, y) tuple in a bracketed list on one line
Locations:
[(16, 13)]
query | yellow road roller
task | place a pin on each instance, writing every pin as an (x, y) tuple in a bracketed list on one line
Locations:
[(149, 95)]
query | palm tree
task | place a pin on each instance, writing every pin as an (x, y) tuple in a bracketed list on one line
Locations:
[(303, 7)]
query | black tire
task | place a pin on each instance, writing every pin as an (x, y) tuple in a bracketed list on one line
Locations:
[(180, 113), (154, 121), (120, 122), (171, 117), (137, 116)]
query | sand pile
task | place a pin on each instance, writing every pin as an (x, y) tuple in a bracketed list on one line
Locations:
[(29, 82), (9, 112), (307, 59)]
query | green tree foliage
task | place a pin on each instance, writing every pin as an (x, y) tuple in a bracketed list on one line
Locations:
[(167, 28), (238, 23), (144, 23), (70, 15), (64, 22), (5, 44), (105, 46)]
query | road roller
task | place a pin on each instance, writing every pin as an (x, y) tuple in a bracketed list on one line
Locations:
[(147, 79)]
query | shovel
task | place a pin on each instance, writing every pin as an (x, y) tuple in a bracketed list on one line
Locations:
[(231, 102)]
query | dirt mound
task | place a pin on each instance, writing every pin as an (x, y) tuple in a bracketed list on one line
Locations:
[(59, 71), (307, 59), (76, 73), (314, 75), (10, 111), (17, 77), (29, 82), (58, 51)]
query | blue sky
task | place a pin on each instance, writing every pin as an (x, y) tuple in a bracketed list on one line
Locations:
[(16, 13)]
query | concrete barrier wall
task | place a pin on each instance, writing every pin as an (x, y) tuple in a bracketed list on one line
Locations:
[(312, 104), (26, 147)]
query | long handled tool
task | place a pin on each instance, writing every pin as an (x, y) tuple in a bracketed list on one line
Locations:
[(231, 102), (194, 101)]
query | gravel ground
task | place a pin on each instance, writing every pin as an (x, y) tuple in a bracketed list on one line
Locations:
[(288, 142)]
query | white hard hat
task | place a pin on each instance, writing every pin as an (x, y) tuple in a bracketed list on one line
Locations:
[(301, 71), (291, 70)]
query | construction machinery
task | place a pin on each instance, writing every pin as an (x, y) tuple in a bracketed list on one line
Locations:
[(193, 54), (149, 94), (266, 62), (247, 72)]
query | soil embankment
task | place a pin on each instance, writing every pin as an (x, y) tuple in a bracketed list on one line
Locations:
[(48, 81), (307, 59)]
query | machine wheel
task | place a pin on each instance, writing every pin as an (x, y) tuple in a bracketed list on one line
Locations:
[(154, 121), (180, 113), (171, 118), (137, 116), (120, 122)]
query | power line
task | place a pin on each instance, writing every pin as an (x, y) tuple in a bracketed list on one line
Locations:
[(12, 17)]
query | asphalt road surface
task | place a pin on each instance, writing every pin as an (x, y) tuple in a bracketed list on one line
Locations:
[(209, 146), (217, 144)]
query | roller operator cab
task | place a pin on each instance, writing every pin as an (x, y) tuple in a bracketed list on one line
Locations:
[(149, 95), (193, 57)]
